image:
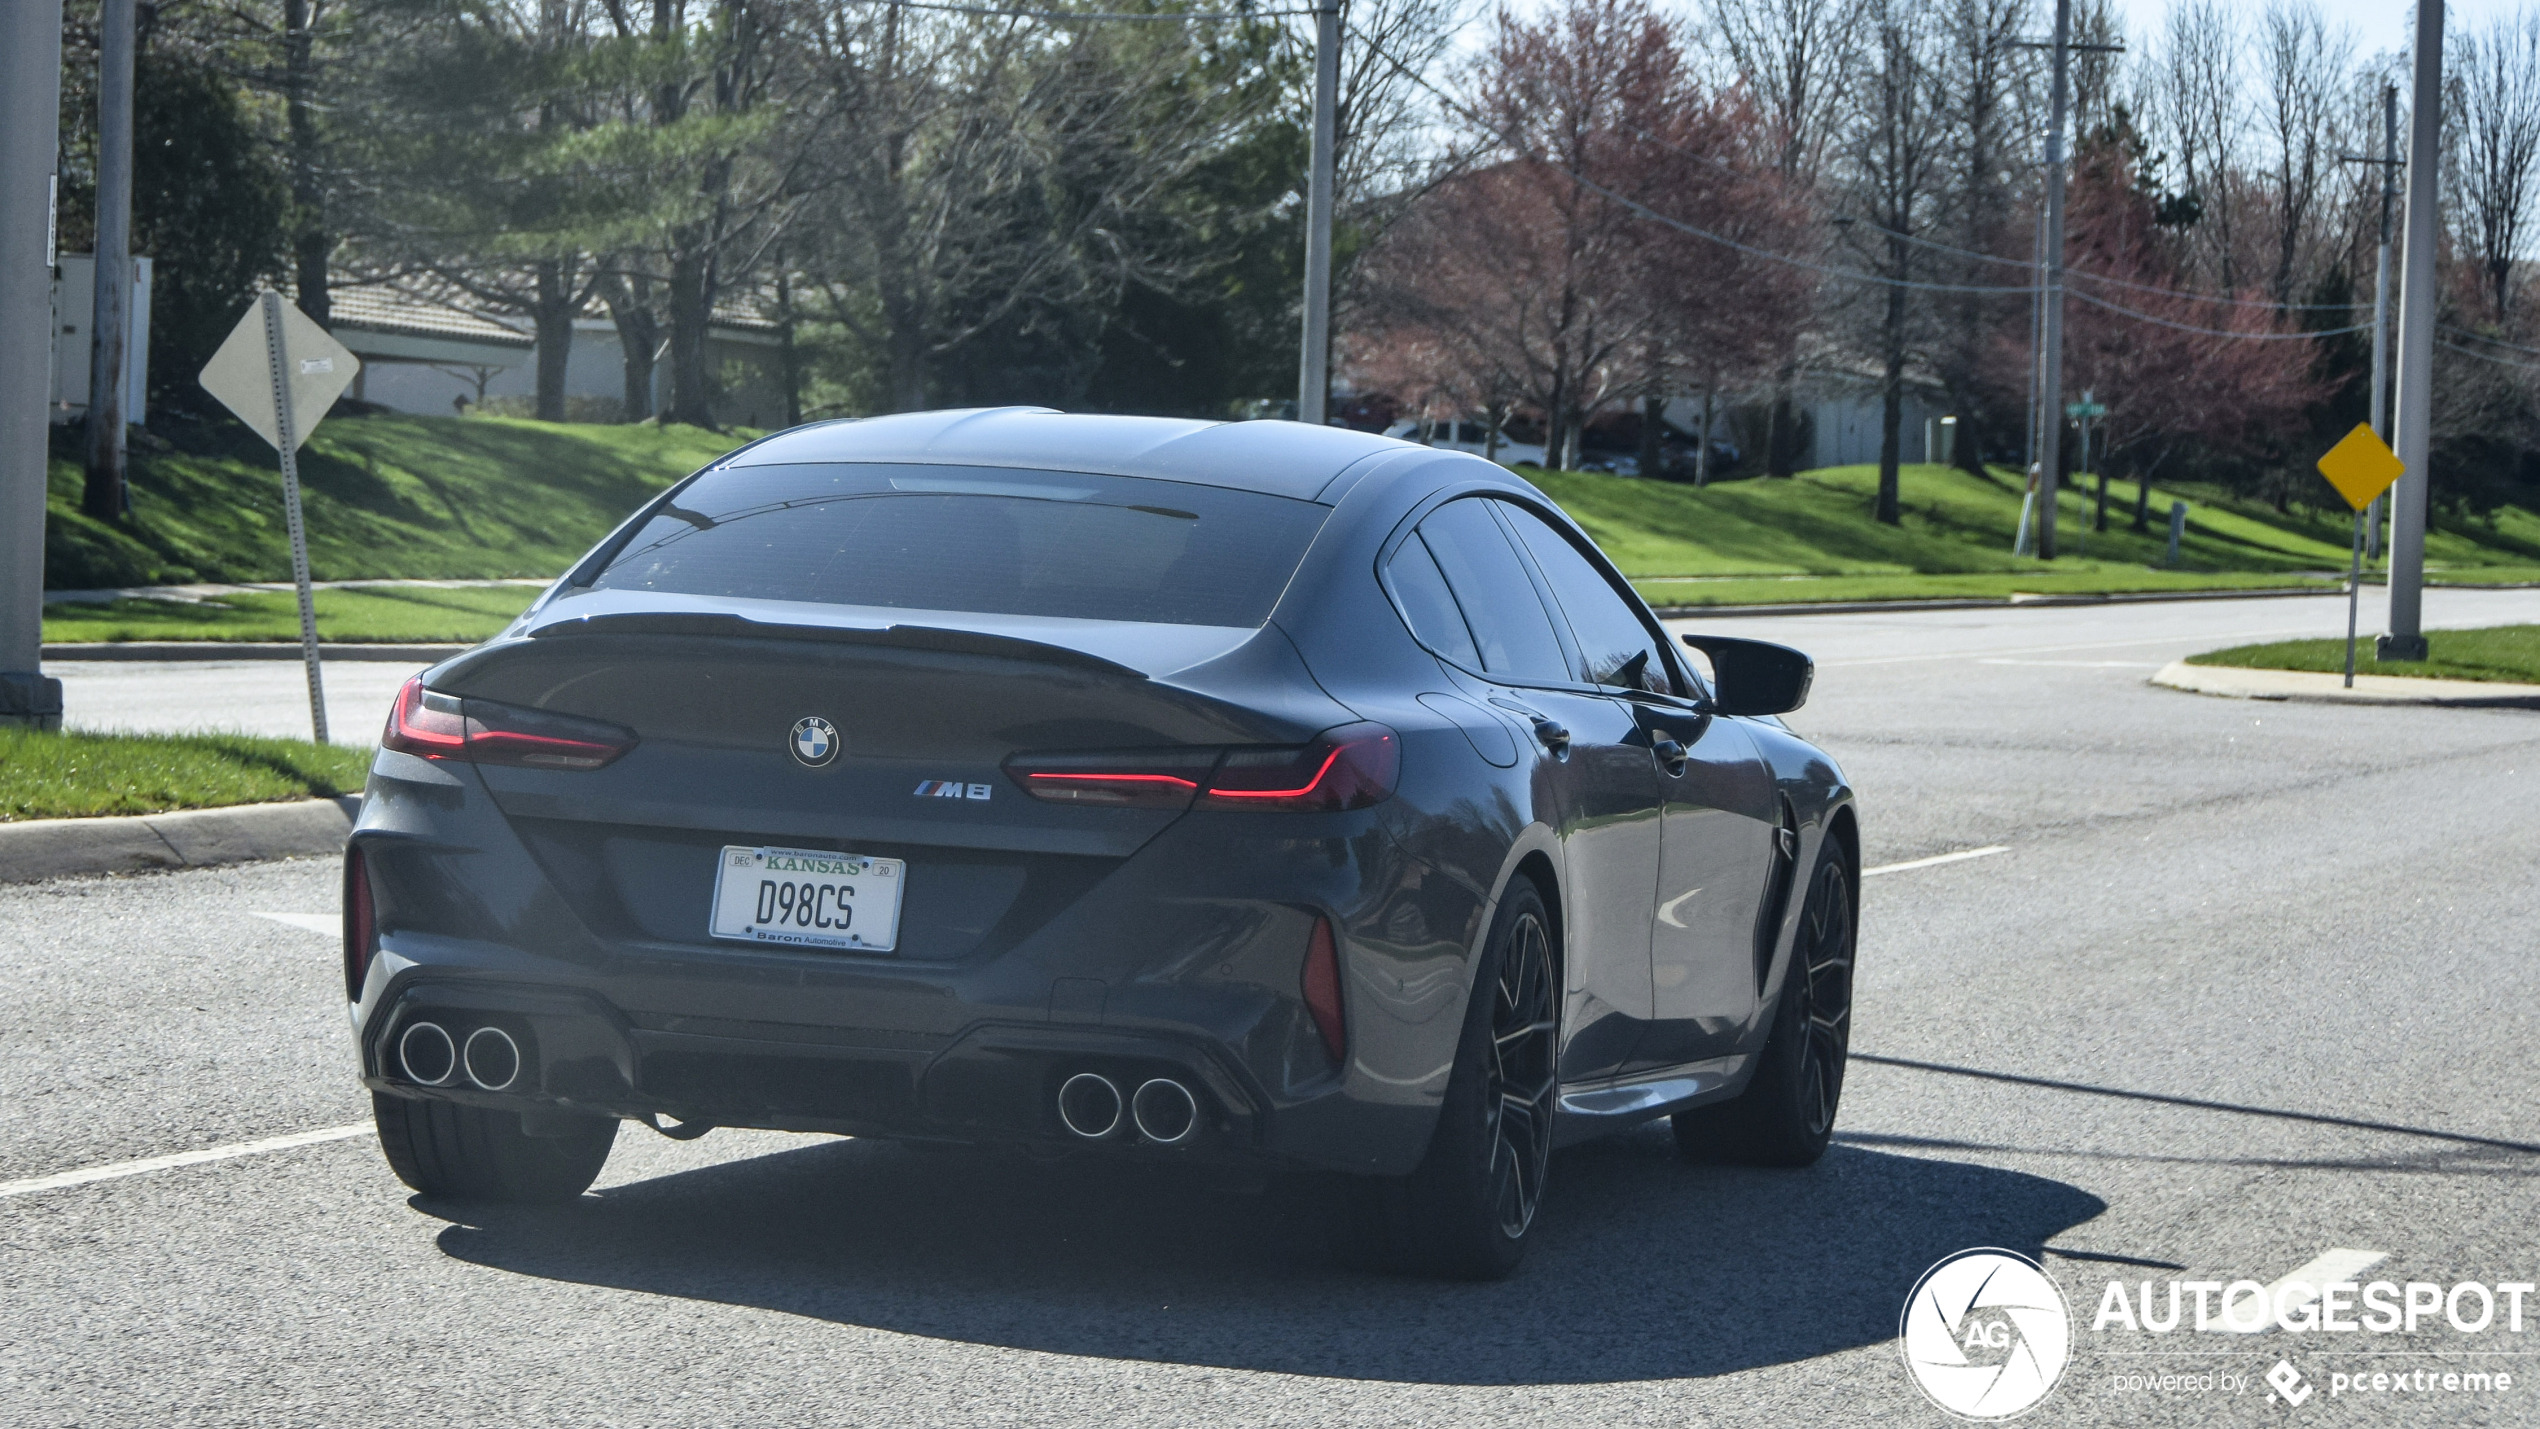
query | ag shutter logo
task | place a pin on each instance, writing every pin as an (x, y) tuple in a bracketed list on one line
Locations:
[(814, 742), (1986, 1334)]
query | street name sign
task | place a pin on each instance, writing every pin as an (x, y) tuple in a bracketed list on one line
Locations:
[(281, 372)]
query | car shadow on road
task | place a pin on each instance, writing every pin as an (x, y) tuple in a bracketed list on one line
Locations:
[(1646, 1267)]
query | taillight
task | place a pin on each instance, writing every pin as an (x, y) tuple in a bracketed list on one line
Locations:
[(1347, 768), (439, 726), (1320, 985), (361, 923), (1125, 779)]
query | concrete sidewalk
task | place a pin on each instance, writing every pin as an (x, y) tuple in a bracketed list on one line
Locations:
[(2235, 682)]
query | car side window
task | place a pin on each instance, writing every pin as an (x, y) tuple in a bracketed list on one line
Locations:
[(1506, 617), (1609, 631), (1428, 606)]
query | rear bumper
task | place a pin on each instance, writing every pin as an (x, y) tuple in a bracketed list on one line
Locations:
[(1182, 961), (994, 1082)]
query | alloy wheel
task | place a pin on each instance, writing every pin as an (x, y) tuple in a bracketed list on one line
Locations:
[(1519, 1095), (1825, 993)]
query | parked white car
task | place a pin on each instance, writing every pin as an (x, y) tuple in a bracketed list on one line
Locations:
[(1468, 435)]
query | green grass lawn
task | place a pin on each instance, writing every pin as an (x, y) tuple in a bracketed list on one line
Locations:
[(385, 496), (1818, 523), (399, 614), (2509, 653), (405, 496), (1683, 591), (60, 776)]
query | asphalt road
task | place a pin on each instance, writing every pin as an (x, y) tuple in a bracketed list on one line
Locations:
[(2249, 983)]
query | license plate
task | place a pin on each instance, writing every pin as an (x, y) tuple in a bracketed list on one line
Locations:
[(808, 898)]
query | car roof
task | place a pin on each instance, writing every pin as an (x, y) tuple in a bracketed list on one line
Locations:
[(1280, 458)]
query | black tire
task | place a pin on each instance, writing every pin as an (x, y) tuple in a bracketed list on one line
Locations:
[(467, 1153), (1785, 1117), (1465, 1212)]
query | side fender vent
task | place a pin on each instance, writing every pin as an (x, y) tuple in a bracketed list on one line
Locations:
[(1775, 906)]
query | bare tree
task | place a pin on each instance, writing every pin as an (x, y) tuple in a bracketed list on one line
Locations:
[(990, 172), (1896, 153), (2200, 119), (1799, 59), (2305, 63), (2497, 91), (1985, 82)]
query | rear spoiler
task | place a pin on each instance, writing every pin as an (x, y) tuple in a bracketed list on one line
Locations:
[(900, 637)]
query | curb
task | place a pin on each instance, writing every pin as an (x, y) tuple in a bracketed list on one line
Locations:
[(246, 650), (2235, 682), (189, 838), (1990, 602)]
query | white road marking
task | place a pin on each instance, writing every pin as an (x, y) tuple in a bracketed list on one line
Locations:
[(1936, 859), (115, 1171), (330, 924), (2083, 664), (2330, 1267)]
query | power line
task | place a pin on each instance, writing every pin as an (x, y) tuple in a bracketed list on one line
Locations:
[(2215, 331), (2069, 271), (2490, 357), (2481, 337), (1098, 15)]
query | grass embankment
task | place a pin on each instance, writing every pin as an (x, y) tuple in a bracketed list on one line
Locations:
[(386, 496), (1741, 542), (2507, 653), (393, 614), (64, 776)]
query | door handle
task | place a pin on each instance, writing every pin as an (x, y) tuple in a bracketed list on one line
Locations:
[(1671, 755), (1554, 737)]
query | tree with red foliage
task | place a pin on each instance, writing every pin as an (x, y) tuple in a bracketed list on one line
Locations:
[(1532, 281), (2173, 368)]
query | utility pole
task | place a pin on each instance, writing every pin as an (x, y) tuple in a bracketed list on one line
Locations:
[(2046, 433), (110, 323), (1314, 371), (30, 103), (2051, 380), (2389, 164), (2414, 417)]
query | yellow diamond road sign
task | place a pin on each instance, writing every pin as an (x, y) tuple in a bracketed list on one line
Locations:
[(2361, 467)]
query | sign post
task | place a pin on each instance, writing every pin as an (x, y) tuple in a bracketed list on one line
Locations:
[(2361, 467), (2084, 412), (280, 372)]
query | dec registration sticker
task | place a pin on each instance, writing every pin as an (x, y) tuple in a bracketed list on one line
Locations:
[(808, 898)]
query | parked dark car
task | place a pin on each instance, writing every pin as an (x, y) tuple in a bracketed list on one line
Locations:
[(1248, 792)]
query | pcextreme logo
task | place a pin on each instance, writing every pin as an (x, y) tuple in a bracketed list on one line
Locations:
[(1986, 1334)]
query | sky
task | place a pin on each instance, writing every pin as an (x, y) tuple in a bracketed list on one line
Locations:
[(2375, 24)]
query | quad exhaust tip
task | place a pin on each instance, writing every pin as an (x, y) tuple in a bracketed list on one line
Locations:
[(1089, 1105), (427, 1053), (492, 1059), (1166, 1111)]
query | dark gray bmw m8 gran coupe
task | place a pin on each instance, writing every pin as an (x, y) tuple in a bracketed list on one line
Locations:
[(1246, 792)]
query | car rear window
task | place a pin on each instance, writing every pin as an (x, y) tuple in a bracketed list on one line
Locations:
[(986, 540)]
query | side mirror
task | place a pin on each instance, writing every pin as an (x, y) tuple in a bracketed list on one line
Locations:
[(1755, 677)]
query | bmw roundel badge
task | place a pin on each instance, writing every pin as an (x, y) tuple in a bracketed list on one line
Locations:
[(815, 741)]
